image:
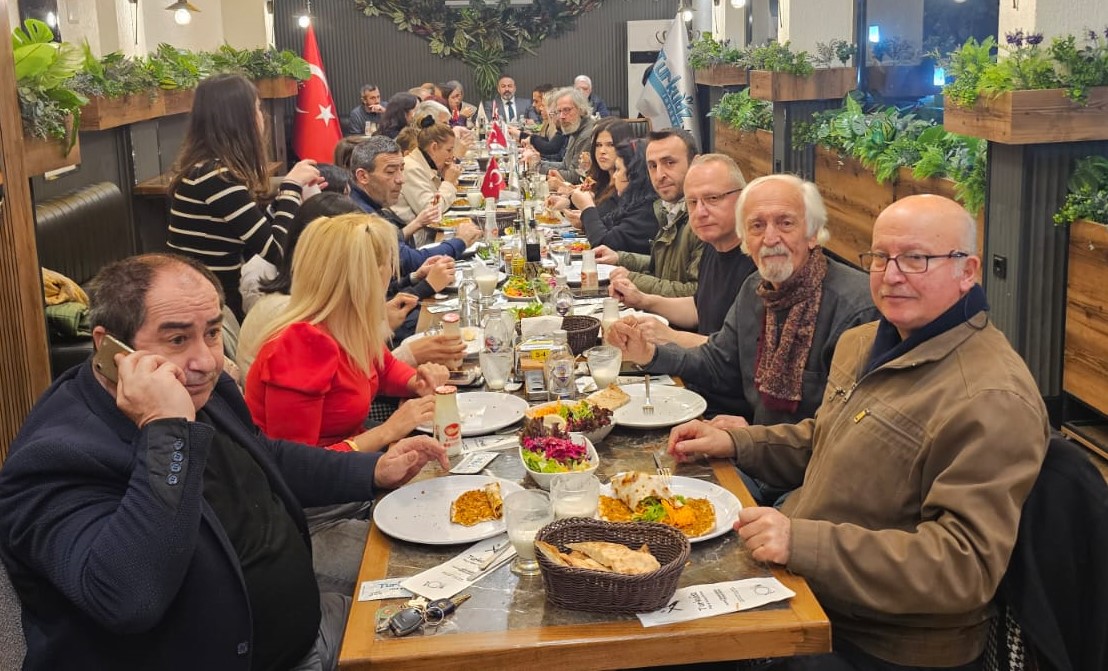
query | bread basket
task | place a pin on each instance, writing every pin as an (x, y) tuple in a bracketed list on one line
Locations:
[(581, 332), (604, 592)]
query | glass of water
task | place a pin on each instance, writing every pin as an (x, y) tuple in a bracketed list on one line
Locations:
[(525, 512)]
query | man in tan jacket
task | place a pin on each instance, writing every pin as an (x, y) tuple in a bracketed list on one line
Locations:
[(913, 472)]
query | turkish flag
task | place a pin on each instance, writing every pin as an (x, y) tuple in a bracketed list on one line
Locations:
[(496, 136), (490, 186), (315, 130)]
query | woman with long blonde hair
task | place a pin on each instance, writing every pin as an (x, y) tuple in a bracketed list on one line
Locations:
[(325, 355)]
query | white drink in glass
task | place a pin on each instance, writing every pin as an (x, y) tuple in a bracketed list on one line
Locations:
[(474, 199), (604, 364), (525, 512), (523, 540), (494, 366), (575, 506), (486, 282)]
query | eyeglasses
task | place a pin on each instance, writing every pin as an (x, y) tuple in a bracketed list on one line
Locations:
[(909, 264), (566, 111), (709, 201)]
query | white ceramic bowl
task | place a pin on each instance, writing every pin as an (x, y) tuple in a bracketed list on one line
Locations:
[(594, 436), (544, 479)]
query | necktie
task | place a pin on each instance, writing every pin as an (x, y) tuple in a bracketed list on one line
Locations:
[(511, 111)]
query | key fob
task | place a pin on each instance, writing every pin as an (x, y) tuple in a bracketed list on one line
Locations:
[(405, 622)]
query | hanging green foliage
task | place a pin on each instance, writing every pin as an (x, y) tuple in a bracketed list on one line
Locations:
[(486, 37)]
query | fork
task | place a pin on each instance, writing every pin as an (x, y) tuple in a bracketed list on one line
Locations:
[(647, 406), (663, 471)]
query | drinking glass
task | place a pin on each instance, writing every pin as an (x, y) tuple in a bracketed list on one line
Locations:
[(604, 363), (486, 278), (525, 512), (575, 495), (495, 367), (474, 198)]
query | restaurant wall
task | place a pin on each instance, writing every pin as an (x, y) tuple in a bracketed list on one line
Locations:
[(357, 49)]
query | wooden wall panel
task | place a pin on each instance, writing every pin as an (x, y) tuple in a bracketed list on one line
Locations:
[(1085, 370), (752, 151), (24, 365)]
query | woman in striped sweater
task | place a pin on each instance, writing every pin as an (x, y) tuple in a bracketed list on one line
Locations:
[(222, 208)]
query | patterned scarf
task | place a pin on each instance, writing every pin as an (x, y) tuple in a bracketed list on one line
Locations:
[(783, 352)]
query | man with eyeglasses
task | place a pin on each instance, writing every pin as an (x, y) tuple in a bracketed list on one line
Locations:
[(574, 116), (712, 186), (912, 474), (768, 362)]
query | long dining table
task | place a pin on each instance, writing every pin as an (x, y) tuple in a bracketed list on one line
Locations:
[(508, 623)]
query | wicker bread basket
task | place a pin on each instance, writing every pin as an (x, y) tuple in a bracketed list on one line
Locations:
[(581, 332), (603, 592)]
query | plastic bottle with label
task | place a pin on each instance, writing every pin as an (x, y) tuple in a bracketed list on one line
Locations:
[(496, 355), (561, 383), (590, 279), (448, 421), (469, 300)]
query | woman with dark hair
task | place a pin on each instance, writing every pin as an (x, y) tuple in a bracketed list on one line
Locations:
[(430, 177), (631, 224), (608, 133), (219, 196), (397, 114), (460, 111)]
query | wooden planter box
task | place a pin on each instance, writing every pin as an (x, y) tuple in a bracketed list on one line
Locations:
[(276, 87), (902, 81), (854, 198), (722, 75), (41, 156), (823, 84), (1032, 117), (752, 151), (178, 101), (103, 113), (1085, 366)]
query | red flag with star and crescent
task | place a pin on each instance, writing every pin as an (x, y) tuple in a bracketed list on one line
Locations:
[(315, 131), (490, 186), (496, 136)]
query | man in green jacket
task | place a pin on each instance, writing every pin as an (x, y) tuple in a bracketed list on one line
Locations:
[(911, 477), (672, 267)]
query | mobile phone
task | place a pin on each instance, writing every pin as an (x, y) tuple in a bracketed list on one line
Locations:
[(463, 377), (534, 385), (104, 359)]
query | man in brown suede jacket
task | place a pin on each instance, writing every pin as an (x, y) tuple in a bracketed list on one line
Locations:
[(913, 472)]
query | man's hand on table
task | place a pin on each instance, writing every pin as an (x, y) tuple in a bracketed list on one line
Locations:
[(652, 330), (631, 341), (398, 307), (442, 349), (698, 437), (605, 254), (726, 422), (440, 274), (405, 458), (622, 288), (767, 533)]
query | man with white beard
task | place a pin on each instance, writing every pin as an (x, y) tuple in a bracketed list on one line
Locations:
[(769, 366), (574, 116)]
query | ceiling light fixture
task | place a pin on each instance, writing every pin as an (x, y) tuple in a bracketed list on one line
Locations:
[(305, 19), (686, 11), (182, 11)]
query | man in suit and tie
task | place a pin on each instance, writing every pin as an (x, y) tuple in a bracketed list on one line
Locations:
[(508, 106)]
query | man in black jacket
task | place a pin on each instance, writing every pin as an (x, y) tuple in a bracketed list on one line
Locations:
[(146, 523)]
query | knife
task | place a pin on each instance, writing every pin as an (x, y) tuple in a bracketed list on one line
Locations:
[(497, 552)]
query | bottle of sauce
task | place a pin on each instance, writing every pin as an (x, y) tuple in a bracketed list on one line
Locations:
[(590, 279), (448, 421)]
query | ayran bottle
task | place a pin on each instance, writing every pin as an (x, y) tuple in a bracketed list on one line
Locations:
[(448, 421), (590, 279)]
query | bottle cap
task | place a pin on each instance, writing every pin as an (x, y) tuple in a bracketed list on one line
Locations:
[(446, 389), (451, 317)]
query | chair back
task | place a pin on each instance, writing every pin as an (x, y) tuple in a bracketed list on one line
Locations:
[(13, 646), (1056, 585), (639, 127)]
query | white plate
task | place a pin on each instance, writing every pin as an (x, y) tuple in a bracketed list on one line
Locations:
[(632, 312), (473, 347), (573, 273), (727, 505), (485, 411), (672, 406), (419, 512)]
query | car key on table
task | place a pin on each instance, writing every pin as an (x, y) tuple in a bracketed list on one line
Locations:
[(409, 620)]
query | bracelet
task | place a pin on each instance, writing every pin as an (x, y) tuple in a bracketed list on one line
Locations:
[(352, 444)]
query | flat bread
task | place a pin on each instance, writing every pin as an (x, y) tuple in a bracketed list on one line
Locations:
[(610, 397), (618, 557), (478, 505), (633, 487)]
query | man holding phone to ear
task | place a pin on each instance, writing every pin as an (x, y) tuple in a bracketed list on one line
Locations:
[(147, 523)]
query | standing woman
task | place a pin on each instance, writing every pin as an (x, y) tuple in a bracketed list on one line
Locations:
[(429, 173), (397, 115), (460, 111), (324, 357), (219, 196)]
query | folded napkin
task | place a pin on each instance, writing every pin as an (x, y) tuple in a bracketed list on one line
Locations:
[(536, 326)]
